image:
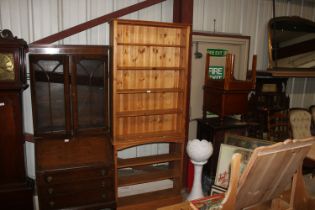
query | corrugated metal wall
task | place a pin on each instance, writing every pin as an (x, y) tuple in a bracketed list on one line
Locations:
[(250, 17), (35, 19)]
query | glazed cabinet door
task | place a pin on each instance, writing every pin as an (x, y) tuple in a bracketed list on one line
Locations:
[(90, 92), (70, 93), (50, 84)]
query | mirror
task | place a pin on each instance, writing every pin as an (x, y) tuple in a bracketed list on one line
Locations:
[(291, 43)]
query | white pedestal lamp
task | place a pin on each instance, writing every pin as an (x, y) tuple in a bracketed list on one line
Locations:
[(199, 152)]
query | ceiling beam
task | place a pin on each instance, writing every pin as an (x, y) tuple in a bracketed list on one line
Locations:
[(183, 11), (97, 21)]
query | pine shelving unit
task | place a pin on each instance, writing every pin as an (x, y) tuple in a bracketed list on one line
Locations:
[(150, 105)]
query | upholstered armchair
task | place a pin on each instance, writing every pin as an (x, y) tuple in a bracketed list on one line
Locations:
[(300, 124), (312, 111)]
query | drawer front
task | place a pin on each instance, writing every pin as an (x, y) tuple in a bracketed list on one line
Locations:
[(88, 197), (72, 175), (57, 189)]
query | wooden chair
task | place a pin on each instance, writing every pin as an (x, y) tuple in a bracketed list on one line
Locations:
[(300, 126), (268, 173), (278, 125), (227, 96), (312, 111)]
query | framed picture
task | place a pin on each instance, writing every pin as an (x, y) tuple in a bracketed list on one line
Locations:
[(244, 141), (224, 162), (217, 190)]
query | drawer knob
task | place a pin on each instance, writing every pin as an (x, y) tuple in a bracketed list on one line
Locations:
[(51, 203), (103, 183), (49, 178), (103, 172), (104, 196), (50, 190)]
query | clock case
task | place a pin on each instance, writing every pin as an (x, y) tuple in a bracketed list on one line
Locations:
[(16, 189)]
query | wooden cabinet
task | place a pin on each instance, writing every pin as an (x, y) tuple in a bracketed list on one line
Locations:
[(78, 173), (150, 90), (14, 184), (269, 107), (74, 156)]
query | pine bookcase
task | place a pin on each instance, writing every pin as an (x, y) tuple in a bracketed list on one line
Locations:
[(150, 89)]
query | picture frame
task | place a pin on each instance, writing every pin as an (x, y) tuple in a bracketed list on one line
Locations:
[(244, 141), (222, 176), (217, 190)]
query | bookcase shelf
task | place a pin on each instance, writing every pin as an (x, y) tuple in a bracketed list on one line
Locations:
[(148, 112), (153, 90), (150, 45), (160, 68), (146, 174), (149, 92), (124, 163)]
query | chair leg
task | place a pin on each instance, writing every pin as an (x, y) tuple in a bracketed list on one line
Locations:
[(299, 196)]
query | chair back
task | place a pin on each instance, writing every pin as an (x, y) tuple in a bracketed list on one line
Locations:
[(300, 123), (268, 173)]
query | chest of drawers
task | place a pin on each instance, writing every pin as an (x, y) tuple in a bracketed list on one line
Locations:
[(78, 174)]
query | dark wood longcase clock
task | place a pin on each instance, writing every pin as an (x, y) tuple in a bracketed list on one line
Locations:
[(16, 190)]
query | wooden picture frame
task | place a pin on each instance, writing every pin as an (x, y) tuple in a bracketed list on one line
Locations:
[(222, 176), (244, 141), (217, 190)]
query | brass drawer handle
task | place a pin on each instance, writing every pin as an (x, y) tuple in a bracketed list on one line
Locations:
[(49, 178), (50, 190), (103, 172), (51, 203)]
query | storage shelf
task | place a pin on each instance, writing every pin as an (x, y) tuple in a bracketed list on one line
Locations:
[(125, 141), (165, 68), (148, 112), (151, 45), (146, 174), (149, 90), (150, 135), (123, 163), (163, 197)]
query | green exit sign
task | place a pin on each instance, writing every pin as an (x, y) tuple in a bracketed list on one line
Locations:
[(216, 72), (217, 52)]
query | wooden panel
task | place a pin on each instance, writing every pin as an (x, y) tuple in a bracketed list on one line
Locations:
[(57, 154), (147, 124), (147, 101), (147, 79)]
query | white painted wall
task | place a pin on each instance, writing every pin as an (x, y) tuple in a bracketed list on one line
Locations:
[(35, 19)]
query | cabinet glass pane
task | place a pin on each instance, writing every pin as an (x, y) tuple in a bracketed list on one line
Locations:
[(49, 94), (91, 93)]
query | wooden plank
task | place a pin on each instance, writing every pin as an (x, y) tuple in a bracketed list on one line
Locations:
[(123, 163), (149, 174), (183, 11), (169, 68), (148, 112), (149, 200), (97, 21), (155, 90)]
